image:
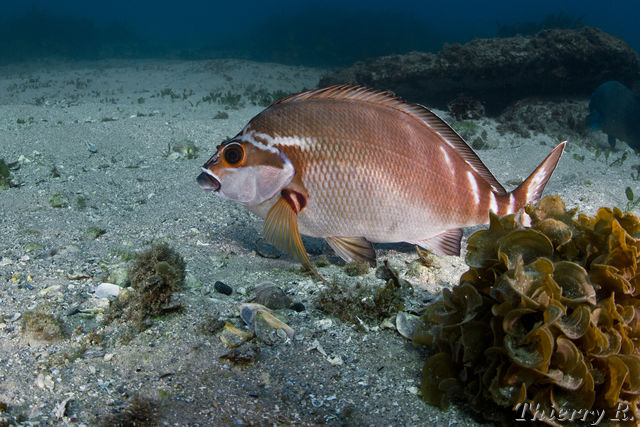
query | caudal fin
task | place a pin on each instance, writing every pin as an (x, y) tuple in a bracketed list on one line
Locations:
[(531, 189)]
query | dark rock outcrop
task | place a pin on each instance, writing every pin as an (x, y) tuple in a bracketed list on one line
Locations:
[(501, 70)]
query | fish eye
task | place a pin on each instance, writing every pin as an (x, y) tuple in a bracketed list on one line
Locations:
[(233, 153)]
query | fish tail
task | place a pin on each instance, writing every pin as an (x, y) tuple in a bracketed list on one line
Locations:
[(531, 189)]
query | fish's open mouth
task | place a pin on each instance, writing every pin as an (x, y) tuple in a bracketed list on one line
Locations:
[(207, 182)]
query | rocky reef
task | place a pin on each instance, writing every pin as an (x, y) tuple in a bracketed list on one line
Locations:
[(546, 316), (498, 71)]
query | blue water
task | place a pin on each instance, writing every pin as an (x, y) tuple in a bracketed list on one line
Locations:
[(316, 33)]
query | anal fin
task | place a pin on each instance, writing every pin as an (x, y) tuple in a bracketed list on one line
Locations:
[(281, 230), (445, 243), (353, 249)]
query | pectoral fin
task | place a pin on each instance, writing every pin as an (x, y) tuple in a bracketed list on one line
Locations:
[(353, 249), (281, 230)]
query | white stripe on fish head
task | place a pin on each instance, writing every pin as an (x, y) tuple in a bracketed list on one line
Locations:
[(265, 141)]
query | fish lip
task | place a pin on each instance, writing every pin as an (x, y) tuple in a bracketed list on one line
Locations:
[(208, 181)]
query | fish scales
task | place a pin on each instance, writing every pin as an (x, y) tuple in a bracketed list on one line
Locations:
[(355, 166), (373, 171)]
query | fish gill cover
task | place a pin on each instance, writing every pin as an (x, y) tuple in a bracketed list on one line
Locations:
[(545, 315)]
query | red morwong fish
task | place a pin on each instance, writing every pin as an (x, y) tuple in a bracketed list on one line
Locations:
[(355, 166)]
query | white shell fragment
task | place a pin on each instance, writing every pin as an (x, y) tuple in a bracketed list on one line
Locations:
[(61, 408), (259, 318), (323, 324), (45, 382), (334, 360), (107, 290), (406, 324), (233, 337), (315, 345), (389, 323)]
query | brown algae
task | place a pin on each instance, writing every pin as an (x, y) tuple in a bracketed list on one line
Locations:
[(546, 314)]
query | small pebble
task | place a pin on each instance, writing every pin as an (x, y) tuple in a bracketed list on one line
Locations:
[(406, 323), (223, 288), (269, 295), (106, 290), (323, 324), (266, 249), (91, 147), (297, 306), (118, 276), (50, 290), (211, 325), (242, 355)]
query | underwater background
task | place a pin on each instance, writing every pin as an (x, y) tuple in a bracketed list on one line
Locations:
[(324, 33), (128, 296)]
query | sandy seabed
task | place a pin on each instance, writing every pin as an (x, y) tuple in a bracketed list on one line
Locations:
[(99, 138)]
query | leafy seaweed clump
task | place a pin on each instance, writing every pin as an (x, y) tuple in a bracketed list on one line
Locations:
[(5, 181), (547, 314), (356, 268), (352, 302), (155, 275), (40, 325), (141, 411)]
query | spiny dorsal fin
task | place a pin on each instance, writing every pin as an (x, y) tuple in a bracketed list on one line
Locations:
[(431, 120), (347, 91)]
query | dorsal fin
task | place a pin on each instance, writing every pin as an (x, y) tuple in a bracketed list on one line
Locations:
[(431, 120), (347, 91)]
